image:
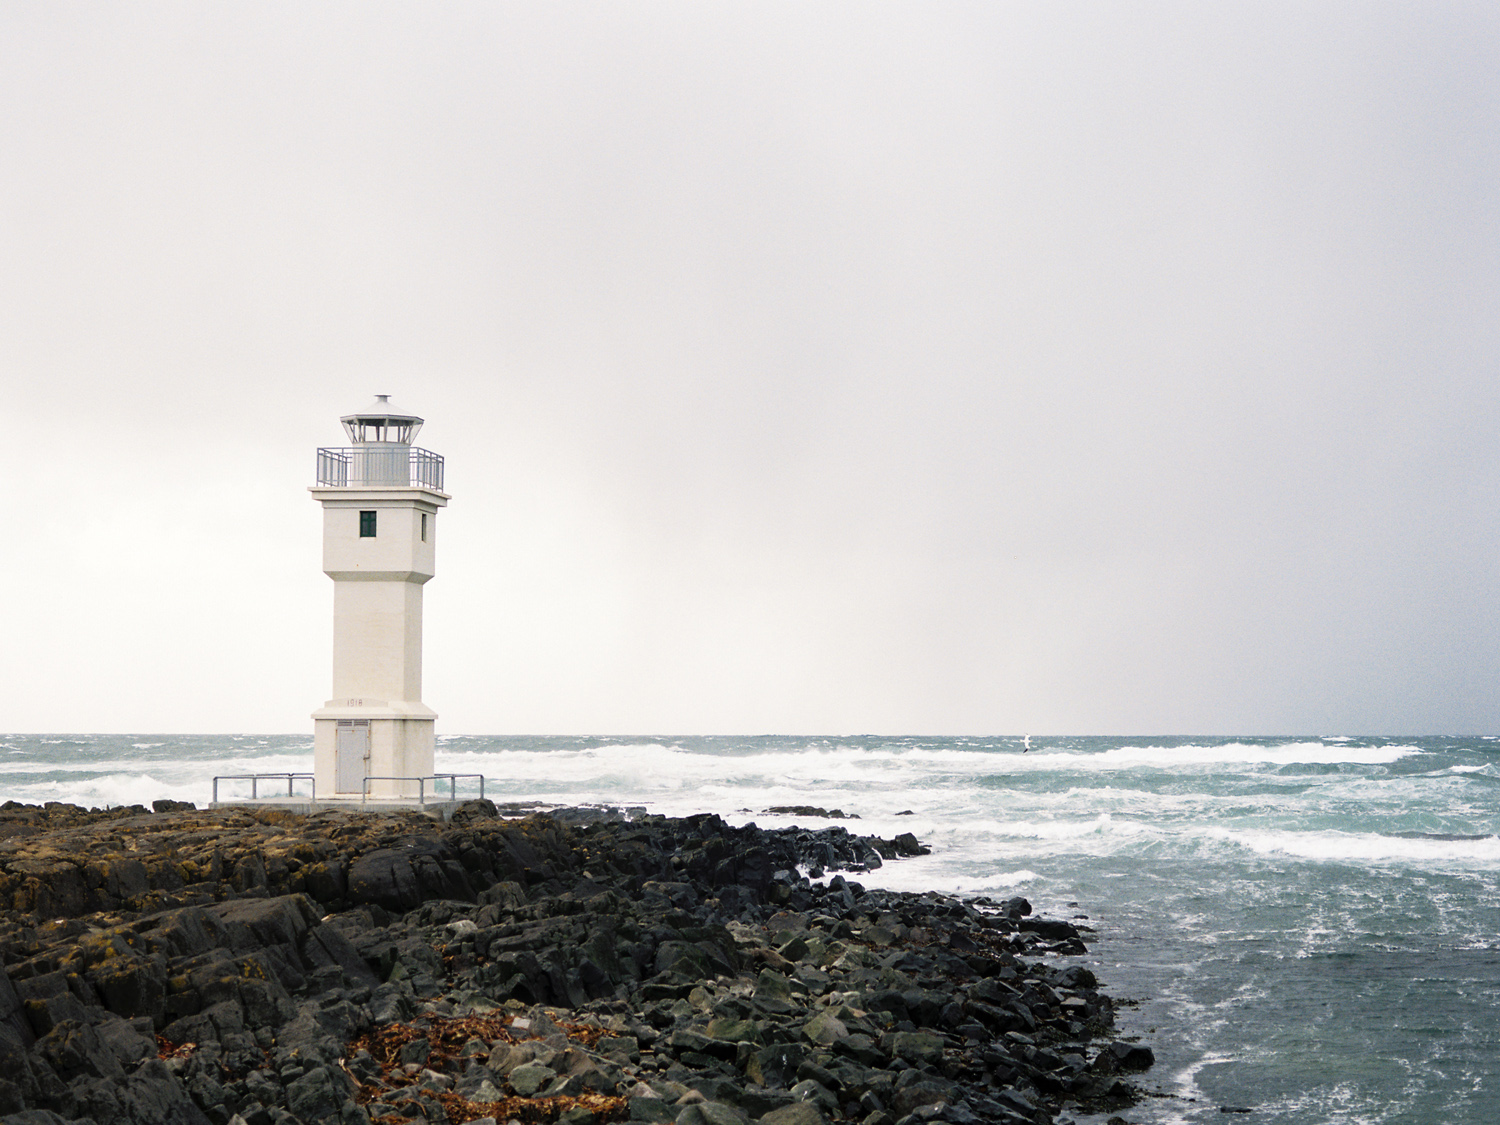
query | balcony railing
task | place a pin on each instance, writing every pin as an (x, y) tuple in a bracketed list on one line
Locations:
[(358, 466)]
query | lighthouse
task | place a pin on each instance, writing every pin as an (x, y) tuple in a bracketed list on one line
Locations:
[(380, 497)]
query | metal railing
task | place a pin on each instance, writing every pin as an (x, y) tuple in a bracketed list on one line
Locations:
[(292, 778), (255, 779), (353, 466), (450, 778)]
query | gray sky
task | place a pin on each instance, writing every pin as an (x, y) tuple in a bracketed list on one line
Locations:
[(800, 368)]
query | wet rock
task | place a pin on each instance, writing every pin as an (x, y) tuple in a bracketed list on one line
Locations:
[(1131, 1057)]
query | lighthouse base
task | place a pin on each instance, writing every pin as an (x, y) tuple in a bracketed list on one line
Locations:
[(373, 753)]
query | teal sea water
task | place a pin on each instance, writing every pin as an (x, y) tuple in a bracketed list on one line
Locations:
[(1311, 926)]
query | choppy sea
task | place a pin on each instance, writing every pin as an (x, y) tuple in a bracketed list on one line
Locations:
[(1311, 926)]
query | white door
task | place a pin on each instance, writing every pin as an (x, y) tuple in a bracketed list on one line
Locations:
[(351, 756)]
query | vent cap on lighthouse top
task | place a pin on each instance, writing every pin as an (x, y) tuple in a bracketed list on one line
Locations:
[(382, 421)]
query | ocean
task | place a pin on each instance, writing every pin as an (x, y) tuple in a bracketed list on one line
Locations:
[(1309, 928)]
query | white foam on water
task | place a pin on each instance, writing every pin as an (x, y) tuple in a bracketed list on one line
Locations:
[(1363, 847), (275, 763), (1341, 1103), (1185, 1081), (109, 790), (983, 831), (1240, 753), (920, 874)]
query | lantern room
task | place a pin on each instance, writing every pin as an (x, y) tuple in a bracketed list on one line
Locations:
[(381, 422)]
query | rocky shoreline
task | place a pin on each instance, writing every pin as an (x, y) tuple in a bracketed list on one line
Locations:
[(257, 967)]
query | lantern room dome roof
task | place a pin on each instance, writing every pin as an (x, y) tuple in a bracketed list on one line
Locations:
[(382, 421)]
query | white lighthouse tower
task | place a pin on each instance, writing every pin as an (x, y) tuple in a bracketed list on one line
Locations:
[(380, 499)]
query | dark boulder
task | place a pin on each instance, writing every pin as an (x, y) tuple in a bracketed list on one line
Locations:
[(325, 945), (134, 987), (152, 1095), (402, 878), (252, 924), (74, 1048), (320, 1094), (12, 1015), (1130, 1057)]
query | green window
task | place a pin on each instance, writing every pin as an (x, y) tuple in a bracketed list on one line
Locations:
[(367, 525)]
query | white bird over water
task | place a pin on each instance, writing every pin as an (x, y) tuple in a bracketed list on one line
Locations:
[(1026, 744)]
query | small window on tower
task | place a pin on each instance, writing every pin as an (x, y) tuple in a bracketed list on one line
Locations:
[(424, 527), (367, 525)]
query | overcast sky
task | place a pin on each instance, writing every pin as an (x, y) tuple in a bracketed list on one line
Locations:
[(800, 368)]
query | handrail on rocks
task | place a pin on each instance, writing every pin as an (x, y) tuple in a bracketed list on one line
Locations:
[(451, 778), (255, 778)]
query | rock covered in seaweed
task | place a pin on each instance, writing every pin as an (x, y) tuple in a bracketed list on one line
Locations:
[(382, 968)]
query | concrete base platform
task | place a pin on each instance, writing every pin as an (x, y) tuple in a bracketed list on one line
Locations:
[(305, 806)]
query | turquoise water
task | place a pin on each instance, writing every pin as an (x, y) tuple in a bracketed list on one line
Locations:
[(1311, 925)]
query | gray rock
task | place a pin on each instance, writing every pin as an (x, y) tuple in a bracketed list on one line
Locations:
[(1128, 1056), (798, 1113), (620, 1048), (400, 879), (73, 1048), (486, 1091), (917, 1046), (47, 1003), (711, 1113), (811, 1090), (819, 1074), (95, 1100), (415, 1051), (527, 1079), (652, 1110), (326, 946), (152, 1095), (11, 1014), (392, 1003), (507, 1057), (318, 1095), (251, 924), (825, 1029), (919, 1094), (682, 957), (775, 1066), (733, 1030)]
